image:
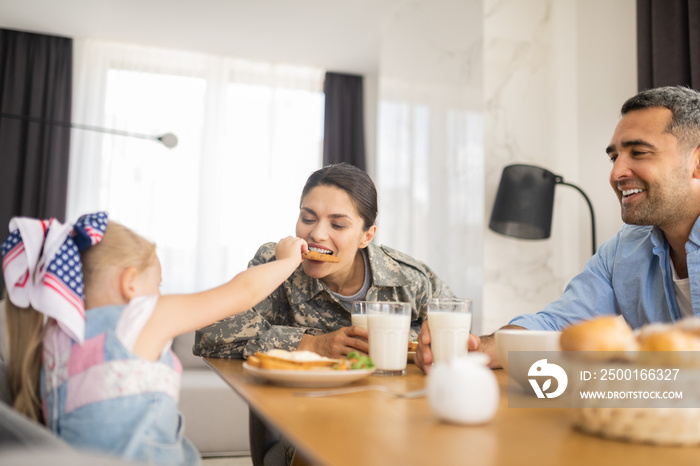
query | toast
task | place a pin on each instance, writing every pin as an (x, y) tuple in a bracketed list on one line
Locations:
[(291, 361), (319, 256)]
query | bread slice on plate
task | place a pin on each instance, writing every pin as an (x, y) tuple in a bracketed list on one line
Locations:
[(291, 360)]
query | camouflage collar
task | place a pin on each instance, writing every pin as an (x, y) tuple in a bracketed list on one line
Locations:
[(385, 269)]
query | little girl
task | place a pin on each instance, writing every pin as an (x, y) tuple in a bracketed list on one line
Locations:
[(108, 379)]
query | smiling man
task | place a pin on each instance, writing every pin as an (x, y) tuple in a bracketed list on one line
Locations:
[(650, 271)]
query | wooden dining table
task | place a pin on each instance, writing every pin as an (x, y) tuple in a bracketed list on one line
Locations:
[(376, 428)]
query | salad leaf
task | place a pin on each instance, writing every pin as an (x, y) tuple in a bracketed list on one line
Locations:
[(359, 361)]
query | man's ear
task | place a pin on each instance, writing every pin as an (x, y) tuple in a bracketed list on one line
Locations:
[(127, 283), (368, 236), (695, 156)]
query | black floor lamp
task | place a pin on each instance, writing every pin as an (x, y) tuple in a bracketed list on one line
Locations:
[(525, 200), (169, 140)]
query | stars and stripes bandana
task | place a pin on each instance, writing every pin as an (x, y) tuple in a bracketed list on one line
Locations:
[(41, 266)]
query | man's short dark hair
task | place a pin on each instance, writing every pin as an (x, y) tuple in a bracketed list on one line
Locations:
[(684, 104)]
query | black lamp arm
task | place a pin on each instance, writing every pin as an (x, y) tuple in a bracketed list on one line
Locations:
[(559, 180)]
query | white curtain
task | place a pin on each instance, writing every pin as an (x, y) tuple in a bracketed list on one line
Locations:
[(430, 141), (249, 135), (430, 170)]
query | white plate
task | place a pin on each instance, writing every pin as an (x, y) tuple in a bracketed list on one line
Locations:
[(320, 378)]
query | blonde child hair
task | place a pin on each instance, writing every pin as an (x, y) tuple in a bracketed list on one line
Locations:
[(109, 270), (25, 332)]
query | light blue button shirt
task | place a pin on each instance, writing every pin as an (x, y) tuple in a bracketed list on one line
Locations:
[(630, 275)]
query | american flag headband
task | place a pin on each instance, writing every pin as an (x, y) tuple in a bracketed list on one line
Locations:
[(42, 268)]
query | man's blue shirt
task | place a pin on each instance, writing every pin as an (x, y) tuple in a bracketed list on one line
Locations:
[(630, 275)]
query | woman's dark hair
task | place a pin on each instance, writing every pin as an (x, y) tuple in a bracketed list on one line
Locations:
[(353, 181)]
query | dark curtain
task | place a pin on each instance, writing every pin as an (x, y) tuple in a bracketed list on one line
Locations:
[(668, 43), (343, 133), (35, 82)]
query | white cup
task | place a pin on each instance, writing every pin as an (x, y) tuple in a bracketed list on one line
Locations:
[(449, 320), (389, 325), (359, 314)]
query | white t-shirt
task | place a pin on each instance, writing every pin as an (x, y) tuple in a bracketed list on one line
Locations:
[(360, 295), (682, 288), (133, 320)]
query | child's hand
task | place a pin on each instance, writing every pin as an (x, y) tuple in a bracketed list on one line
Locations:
[(291, 247)]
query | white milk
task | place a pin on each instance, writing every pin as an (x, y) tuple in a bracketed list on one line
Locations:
[(360, 320), (449, 332), (388, 341)]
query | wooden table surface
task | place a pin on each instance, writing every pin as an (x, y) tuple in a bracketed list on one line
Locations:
[(376, 428)]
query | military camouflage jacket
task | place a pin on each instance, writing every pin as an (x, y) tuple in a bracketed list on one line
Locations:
[(305, 305)]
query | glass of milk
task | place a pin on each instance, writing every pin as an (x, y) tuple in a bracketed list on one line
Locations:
[(388, 325), (359, 314), (449, 320)]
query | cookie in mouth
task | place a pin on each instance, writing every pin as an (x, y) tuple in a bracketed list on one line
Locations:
[(319, 256)]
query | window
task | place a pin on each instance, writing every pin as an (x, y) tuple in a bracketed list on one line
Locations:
[(249, 134), (430, 171)]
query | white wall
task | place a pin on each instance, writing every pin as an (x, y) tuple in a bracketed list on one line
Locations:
[(556, 73), (607, 75)]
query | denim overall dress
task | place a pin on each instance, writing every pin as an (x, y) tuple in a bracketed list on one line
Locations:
[(101, 397)]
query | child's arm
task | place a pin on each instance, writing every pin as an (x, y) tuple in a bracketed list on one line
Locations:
[(178, 314)]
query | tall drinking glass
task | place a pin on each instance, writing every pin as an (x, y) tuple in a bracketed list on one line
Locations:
[(359, 314), (389, 325), (449, 320)]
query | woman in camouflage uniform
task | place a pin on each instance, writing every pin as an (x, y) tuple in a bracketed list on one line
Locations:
[(311, 309)]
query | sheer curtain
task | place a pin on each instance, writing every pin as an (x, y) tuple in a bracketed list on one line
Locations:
[(249, 135), (430, 171), (430, 141)]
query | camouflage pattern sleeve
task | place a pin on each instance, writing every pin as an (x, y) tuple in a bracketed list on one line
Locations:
[(227, 338), (262, 328)]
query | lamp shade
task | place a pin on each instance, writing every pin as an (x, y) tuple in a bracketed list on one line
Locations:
[(524, 202)]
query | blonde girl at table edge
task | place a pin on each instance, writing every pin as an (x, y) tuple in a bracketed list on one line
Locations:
[(122, 274)]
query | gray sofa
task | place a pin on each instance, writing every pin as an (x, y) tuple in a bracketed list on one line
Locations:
[(216, 418)]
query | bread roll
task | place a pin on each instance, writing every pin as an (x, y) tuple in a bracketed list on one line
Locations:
[(649, 329), (607, 333), (690, 325), (658, 344), (675, 347), (673, 339)]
